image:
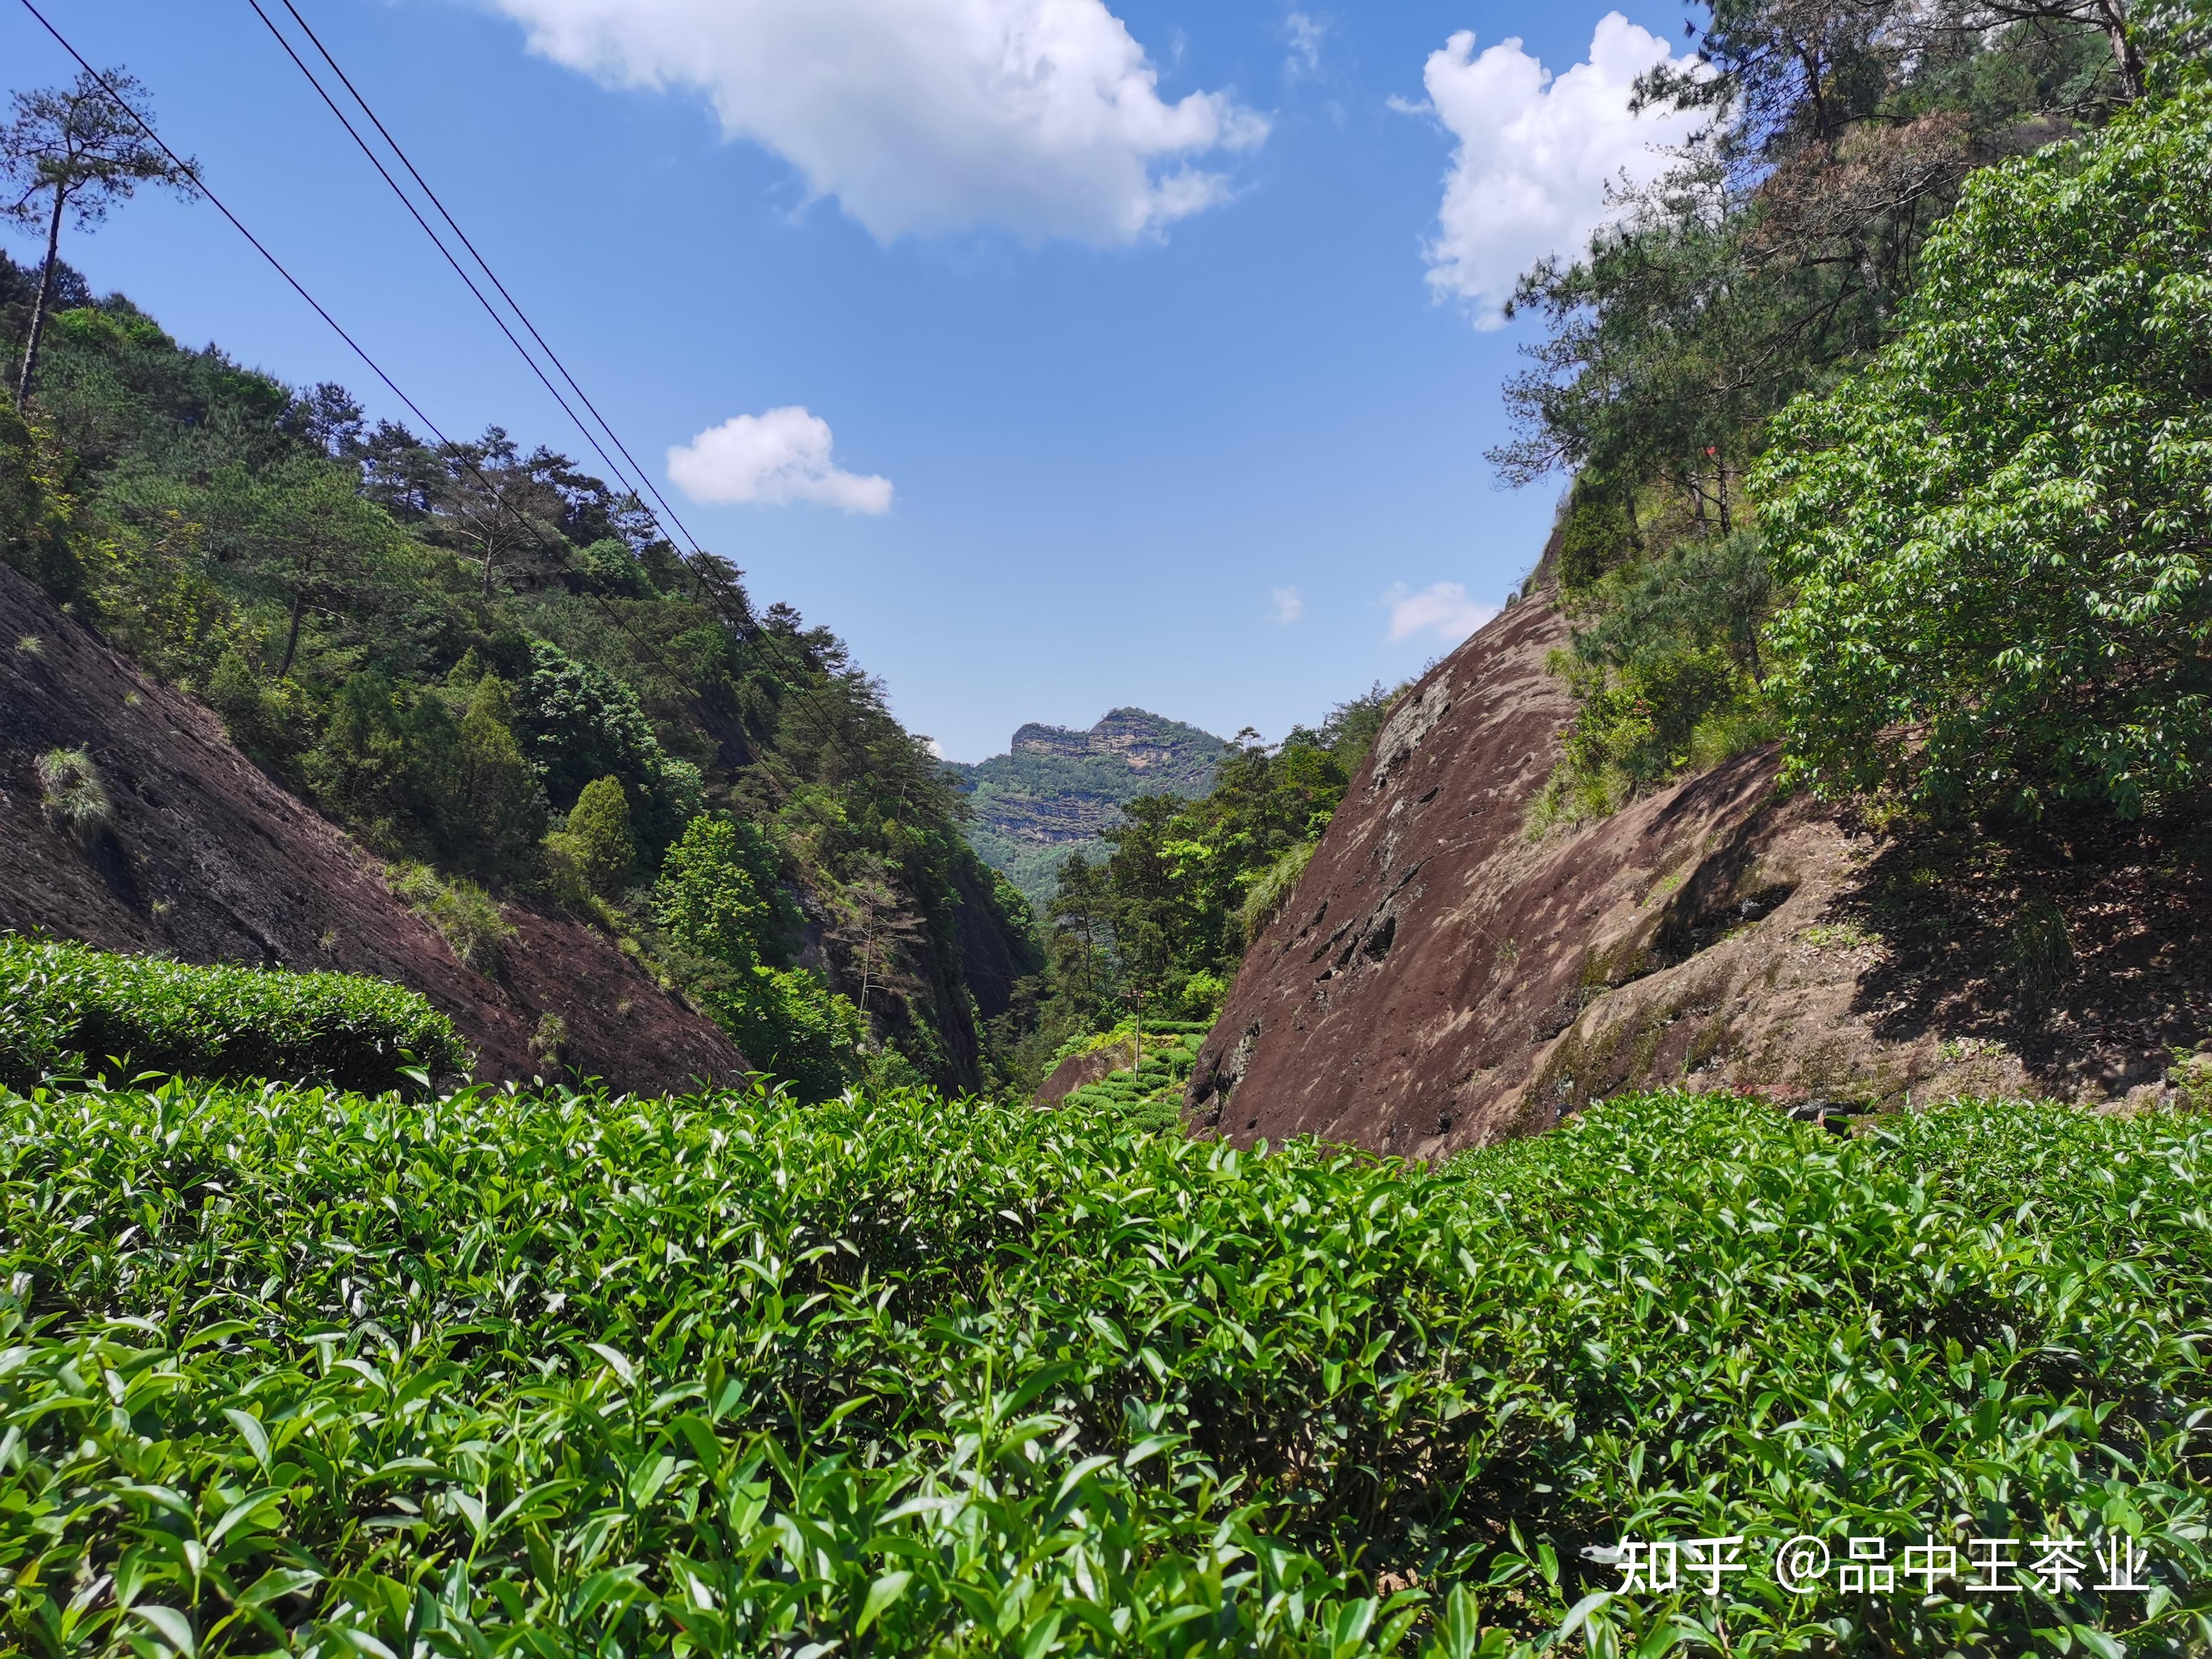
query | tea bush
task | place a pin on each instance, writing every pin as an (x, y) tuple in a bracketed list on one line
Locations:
[(561, 1374), (66, 1008)]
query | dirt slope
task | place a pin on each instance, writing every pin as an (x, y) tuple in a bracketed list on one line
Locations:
[(1439, 981), (211, 862)]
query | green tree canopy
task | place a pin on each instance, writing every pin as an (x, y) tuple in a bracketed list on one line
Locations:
[(1998, 534), (599, 833), (719, 894)]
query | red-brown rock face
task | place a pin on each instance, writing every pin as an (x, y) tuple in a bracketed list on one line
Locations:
[(211, 862), (1439, 980)]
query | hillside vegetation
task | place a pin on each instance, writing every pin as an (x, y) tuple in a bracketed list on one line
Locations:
[(496, 673), (1885, 411), (298, 1371), (1163, 918)]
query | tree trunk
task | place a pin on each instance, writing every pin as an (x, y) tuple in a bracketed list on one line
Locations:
[(291, 638), (2114, 16), (38, 308)]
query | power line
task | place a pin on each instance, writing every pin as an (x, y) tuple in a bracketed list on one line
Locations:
[(483, 263), (359, 351), (710, 592), (374, 161)]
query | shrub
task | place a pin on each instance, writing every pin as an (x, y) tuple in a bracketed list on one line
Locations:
[(66, 1008), (907, 1376), (720, 895), (35, 509), (468, 918), (1201, 996), (1594, 537), (611, 568), (386, 758), (492, 809), (1265, 899), (792, 1027), (251, 714), (598, 836), (72, 793), (578, 722), (549, 1043)]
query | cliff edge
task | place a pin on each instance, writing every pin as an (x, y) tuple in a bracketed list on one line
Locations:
[(1440, 980), (207, 860)]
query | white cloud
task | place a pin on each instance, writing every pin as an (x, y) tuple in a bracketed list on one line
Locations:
[(936, 748), (1290, 605), (780, 456), (1535, 155), (1444, 607), (1304, 32), (1040, 116)]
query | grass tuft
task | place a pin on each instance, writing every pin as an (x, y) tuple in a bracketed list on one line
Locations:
[(73, 795), (467, 918)]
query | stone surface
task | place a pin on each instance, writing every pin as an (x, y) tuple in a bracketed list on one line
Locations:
[(210, 861), (1440, 980)]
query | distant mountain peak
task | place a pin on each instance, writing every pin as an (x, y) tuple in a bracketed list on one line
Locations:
[(1140, 739), (1056, 787)]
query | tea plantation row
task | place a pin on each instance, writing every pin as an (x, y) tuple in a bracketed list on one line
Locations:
[(289, 1370)]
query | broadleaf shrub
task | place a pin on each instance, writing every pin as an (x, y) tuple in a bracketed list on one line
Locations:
[(566, 1374), (66, 1008), (1997, 536)]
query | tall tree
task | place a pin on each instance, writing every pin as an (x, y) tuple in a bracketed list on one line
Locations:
[(77, 150)]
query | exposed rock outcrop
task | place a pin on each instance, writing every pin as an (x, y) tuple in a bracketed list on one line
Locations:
[(1081, 1071), (1439, 980), (208, 861)]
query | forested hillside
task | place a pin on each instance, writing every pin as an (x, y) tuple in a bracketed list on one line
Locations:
[(1885, 412), (1886, 569), (1055, 790), (1825, 812), (497, 673), (1159, 917)]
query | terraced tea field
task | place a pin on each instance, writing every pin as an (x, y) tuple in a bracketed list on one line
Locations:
[(291, 1370)]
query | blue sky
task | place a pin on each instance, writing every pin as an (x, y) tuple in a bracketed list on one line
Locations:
[(1115, 379)]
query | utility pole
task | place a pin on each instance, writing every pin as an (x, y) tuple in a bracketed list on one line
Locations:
[(1137, 995)]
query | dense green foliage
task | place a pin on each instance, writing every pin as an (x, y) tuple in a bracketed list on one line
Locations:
[(719, 900), (597, 837), (1052, 795), (568, 1374), (1802, 231), (1667, 670), (68, 1009), (450, 647), (1998, 538)]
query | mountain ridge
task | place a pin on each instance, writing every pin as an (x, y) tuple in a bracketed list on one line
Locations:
[(1056, 788)]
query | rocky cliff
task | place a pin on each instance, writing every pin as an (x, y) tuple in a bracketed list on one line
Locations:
[(208, 860), (1440, 980)]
